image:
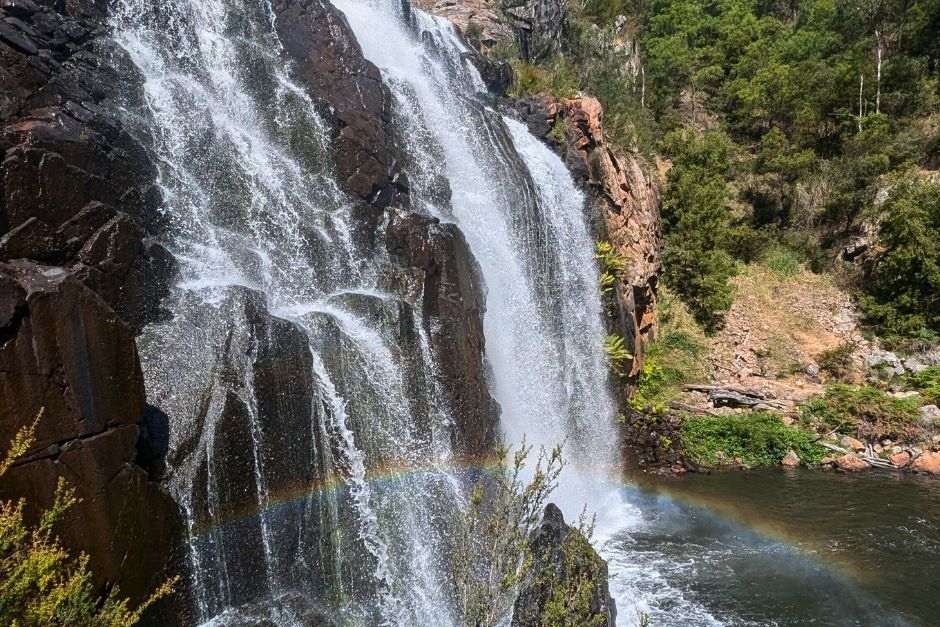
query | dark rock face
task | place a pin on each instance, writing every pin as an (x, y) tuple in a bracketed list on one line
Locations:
[(453, 309), (242, 424), (328, 61), (64, 350), (565, 566), (78, 277)]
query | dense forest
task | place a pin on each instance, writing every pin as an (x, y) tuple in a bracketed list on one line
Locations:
[(801, 132)]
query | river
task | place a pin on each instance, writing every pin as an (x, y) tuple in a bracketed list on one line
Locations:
[(781, 548)]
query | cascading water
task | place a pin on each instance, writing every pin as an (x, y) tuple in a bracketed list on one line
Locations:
[(294, 384), (284, 366), (526, 223)]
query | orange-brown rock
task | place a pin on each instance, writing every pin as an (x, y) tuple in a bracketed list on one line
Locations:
[(476, 19), (853, 444), (627, 198), (899, 459), (852, 463), (927, 463)]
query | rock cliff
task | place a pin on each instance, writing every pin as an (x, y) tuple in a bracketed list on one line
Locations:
[(626, 203), (79, 275)]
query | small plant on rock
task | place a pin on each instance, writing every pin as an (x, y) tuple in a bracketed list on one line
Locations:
[(617, 353), (492, 553), (837, 361), (41, 585)]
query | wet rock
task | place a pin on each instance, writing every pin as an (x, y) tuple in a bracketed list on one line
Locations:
[(927, 463), (328, 62), (452, 308), (791, 460), (851, 463), (244, 424), (564, 563), (78, 206)]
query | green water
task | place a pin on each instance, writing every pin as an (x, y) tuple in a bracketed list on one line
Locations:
[(793, 548)]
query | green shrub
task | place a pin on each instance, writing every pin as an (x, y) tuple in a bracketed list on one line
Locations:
[(758, 438), (617, 353), (670, 362), (927, 382), (901, 293), (863, 412), (837, 361)]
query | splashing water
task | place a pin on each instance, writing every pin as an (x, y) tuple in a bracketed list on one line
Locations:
[(263, 405)]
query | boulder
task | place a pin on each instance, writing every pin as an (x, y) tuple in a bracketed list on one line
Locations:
[(564, 563), (900, 459), (930, 414), (912, 364), (927, 463), (791, 460), (851, 463), (851, 443)]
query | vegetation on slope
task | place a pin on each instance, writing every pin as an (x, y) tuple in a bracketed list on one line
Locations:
[(41, 584), (785, 123)]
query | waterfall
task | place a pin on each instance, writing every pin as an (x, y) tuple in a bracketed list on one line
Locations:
[(310, 442), (296, 386), (525, 222)]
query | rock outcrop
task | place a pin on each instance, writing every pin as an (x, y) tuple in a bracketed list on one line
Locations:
[(626, 208), (78, 277), (436, 272), (567, 581), (328, 62), (453, 306), (539, 28), (481, 21)]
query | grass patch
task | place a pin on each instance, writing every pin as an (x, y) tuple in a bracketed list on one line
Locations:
[(927, 383), (782, 262), (671, 362), (866, 413), (757, 438)]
